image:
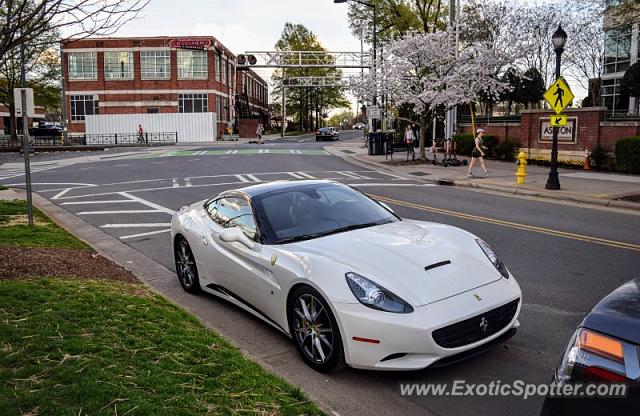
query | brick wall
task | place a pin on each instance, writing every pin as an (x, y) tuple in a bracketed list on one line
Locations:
[(591, 130), (247, 127)]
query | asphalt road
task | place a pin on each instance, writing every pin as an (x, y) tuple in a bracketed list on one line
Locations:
[(565, 257)]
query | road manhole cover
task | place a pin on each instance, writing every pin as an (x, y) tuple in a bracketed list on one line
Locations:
[(419, 173), (348, 151)]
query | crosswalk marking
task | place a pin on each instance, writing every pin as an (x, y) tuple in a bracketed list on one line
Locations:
[(126, 237), (125, 211), (253, 177), (242, 178), (142, 225), (295, 175), (187, 182), (118, 201), (176, 184), (306, 175)]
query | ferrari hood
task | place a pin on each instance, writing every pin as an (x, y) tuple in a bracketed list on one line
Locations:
[(420, 262)]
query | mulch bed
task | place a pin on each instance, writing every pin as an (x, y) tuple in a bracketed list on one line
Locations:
[(630, 198), (402, 162), (23, 262)]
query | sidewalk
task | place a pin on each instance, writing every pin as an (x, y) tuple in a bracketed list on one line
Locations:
[(604, 189)]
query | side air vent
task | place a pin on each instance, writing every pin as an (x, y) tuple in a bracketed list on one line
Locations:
[(436, 265)]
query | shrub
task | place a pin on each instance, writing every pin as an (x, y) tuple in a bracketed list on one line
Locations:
[(628, 154), (506, 150), (599, 157), (466, 142)]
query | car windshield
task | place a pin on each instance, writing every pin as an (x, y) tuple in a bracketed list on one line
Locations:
[(315, 210), (325, 130)]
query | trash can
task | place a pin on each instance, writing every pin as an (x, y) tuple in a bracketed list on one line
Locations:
[(376, 143)]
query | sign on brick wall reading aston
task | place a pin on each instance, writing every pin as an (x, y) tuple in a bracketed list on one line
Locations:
[(566, 133)]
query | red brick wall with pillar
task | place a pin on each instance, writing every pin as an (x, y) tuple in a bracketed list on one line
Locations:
[(591, 131)]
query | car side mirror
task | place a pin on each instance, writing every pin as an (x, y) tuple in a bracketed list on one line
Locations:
[(386, 206), (233, 234)]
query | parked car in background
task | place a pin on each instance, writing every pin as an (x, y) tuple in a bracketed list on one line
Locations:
[(358, 126), (604, 349), (46, 130), (327, 133)]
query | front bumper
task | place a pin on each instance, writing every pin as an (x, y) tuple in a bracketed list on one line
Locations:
[(405, 340)]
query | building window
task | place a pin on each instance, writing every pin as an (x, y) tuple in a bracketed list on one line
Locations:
[(615, 102), (223, 73), (83, 65), (193, 103), (155, 65), (217, 68), (118, 65), (83, 105), (192, 64), (617, 50)]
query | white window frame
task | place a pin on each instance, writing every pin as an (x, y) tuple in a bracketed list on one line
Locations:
[(159, 59), (84, 99), (83, 66), (192, 64), (124, 70), (203, 98)]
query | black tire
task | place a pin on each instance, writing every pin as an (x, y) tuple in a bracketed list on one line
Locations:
[(317, 139), (186, 266), (322, 333)]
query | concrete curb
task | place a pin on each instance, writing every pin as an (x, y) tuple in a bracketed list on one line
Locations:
[(607, 203)]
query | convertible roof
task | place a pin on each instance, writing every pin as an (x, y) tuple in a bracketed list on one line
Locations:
[(263, 188)]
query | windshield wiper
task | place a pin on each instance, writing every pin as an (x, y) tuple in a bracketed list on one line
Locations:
[(330, 232)]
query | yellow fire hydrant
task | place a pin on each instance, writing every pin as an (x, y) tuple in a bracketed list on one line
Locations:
[(521, 172)]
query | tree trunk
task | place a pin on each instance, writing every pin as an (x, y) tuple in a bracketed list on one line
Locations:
[(13, 122), (424, 132)]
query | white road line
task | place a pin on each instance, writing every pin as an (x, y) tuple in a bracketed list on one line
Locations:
[(298, 151), (292, 151), (306, 175), (358, 176), (300, 141), (147, 203), (126, 211), (187, 182), (59, 194), (149, 225), (348, 175), (234, 152), (228, 152), (242, 178), (119, 201), (126, 237), (168, 154), (295, 175), (252, 177), (175, 183)]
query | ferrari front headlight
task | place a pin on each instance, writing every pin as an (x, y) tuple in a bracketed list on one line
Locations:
[(375, 296), (493, 258)]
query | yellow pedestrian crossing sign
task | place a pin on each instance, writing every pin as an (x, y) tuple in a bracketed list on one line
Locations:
[(559, 95), (558, 121)]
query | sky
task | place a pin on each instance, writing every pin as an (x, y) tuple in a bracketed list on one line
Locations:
[(250, 25), (245, 25)]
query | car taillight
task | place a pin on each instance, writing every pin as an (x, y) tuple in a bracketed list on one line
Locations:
[(592, 356), (601, 345)]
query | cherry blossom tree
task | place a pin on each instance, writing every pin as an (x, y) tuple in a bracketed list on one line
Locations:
[(423, 71)]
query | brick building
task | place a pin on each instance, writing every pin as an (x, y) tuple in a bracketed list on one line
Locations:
[(195, 74)]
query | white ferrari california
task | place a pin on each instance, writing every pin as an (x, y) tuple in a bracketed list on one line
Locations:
[(345, 277)]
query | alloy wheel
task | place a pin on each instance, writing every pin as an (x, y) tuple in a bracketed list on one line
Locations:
[(313, 330)]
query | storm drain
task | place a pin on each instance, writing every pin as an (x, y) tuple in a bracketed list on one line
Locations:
[(348, 151), (419, 173)]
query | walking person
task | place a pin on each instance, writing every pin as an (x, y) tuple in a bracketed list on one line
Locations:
[(478, 154), (140, 134), (259, 131), (410, 139)]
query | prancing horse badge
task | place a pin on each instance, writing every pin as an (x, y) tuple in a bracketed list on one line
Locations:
[(274, 259)]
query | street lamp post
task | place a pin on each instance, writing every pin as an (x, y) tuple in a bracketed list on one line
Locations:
[(559, 40), (375, 43)]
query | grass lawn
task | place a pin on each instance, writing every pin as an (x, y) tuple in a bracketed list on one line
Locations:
[(15, 230), (3, 188), (70, 347)]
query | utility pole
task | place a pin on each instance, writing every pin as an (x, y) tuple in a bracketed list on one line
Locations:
[(63, 112), (284, 105), (25, 135), (454, 22)]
